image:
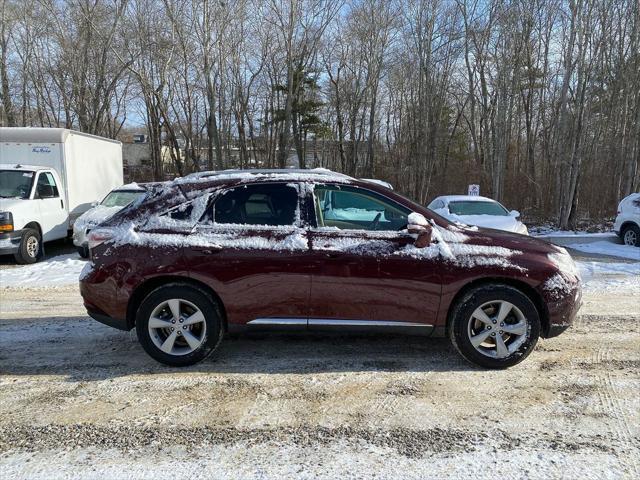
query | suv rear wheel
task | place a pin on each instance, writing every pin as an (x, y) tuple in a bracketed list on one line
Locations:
[(494, 326), (179, 325), (631, 236)]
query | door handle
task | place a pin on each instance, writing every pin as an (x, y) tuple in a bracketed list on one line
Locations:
[(333, 255), (61, 204)]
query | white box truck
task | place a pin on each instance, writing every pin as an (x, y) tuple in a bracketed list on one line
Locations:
[(48, 178)]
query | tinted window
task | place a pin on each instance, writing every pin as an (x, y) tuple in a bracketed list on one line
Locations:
[(477, 208), (354, 208), (46, 186), (257, 205)]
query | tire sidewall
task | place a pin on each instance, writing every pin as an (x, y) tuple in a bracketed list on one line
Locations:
[(23, 256), (194, 295), (462, 315)]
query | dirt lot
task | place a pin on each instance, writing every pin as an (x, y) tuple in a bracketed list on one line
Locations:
[(81, 400)]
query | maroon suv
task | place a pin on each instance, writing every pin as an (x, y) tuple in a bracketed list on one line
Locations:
[(314, 250)]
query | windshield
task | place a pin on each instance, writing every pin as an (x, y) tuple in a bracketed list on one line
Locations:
[(15, 183), (120, 198), (477, 208)]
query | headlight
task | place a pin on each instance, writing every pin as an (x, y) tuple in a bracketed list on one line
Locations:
[(6, 222), (565, 264)]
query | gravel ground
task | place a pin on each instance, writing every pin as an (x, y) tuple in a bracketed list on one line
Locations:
[(81, 400)]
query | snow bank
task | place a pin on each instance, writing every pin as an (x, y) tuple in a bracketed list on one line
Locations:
[(604, 247), (54, 272)]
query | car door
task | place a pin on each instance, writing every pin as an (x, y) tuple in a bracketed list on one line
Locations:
[(251, 249), (53, 214), (366, 271)]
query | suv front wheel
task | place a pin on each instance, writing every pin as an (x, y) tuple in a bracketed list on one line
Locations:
[(179, 325), (494, 326)]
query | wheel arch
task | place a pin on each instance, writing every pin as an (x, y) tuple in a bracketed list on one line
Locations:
[(628, 224), (142, 290), (525, 288), (36, 226)]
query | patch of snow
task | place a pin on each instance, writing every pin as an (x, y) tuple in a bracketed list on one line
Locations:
[(602, 277), (94, 216), (608, 248), (57, 271), (288, 238), (311, 175), (544, 232), (558, 286), (131, 186)]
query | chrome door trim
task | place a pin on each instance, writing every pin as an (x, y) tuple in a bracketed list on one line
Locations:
[(364, 323), (278, 322)]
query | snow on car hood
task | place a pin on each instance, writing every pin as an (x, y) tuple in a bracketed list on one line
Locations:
[(497, 222), (95, 215)]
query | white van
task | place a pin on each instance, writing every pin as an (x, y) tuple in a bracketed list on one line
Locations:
[(48, 178)]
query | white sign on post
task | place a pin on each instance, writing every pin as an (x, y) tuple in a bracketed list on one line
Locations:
[(474, 190)]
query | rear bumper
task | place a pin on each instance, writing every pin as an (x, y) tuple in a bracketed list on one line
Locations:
[(10, 242), (105, 319), (103, 299)]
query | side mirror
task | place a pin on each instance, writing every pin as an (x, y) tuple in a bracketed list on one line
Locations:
[(514, 213), (418, 225), (94, 204)]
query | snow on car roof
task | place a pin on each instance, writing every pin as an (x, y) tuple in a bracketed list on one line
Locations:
[(465, 198), (240, 176), (130, 187)]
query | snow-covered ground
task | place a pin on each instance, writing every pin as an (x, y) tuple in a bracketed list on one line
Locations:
[(57, 271), (606, 247)]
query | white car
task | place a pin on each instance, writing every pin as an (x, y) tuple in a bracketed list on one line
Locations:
[(477, 210), (627, 224), (115, 201)]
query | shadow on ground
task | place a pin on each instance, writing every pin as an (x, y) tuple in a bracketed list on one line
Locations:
[(82, 349)]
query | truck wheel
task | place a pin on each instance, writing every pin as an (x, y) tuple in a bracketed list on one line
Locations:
[(30, 247)]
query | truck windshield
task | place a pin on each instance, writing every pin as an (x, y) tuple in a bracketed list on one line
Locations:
[(121, 198), (15, 183)]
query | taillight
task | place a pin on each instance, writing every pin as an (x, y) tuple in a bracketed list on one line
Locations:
[(98, 236)]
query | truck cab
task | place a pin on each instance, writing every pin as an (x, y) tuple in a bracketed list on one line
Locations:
[(32, 210)]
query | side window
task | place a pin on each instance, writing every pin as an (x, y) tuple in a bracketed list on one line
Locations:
[(46, 186), (269, 204), (356, 209)]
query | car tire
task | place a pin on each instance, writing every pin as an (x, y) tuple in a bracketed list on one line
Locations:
[(30, 247), (83, 251), (631, 236), (494, 326), (167, 328)]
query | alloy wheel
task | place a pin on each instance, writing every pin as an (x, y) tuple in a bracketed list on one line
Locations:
[(630, 238), (497, 329), (177, 327)]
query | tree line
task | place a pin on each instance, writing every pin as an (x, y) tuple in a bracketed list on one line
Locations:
[(538, 101)]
